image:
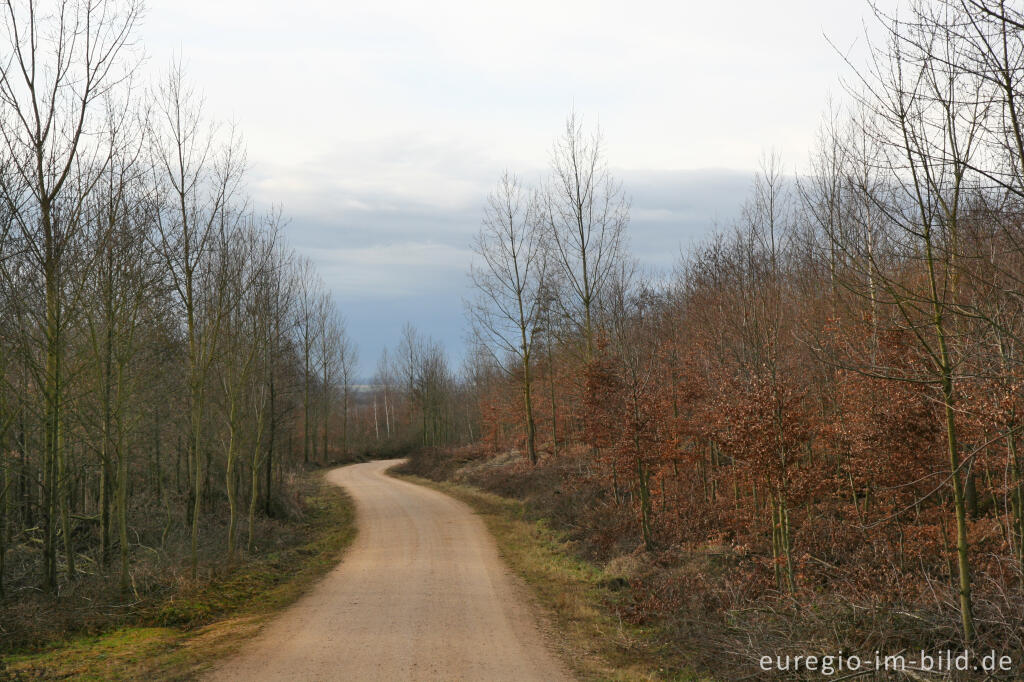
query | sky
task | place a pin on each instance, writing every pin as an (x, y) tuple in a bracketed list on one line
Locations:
[(379, 128)]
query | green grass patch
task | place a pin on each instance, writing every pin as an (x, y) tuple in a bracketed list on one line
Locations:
[(187, 633), (577, 599)]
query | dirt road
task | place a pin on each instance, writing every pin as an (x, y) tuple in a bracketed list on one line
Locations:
[(421, 595)]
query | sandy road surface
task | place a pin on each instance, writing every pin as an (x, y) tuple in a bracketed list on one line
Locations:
[(421, 595)]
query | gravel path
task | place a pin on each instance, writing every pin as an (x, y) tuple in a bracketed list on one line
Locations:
[(421, 595)]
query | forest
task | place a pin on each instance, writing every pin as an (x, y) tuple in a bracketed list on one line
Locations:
[(169, 364), (807, 436)]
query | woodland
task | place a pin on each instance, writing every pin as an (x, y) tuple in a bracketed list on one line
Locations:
[(170, 368), (806, 438)]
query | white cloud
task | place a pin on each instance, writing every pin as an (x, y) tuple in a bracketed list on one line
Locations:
[(392, 271), (381, 126)]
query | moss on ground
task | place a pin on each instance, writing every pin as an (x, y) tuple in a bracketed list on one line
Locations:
[(188, 632), (577, 599)]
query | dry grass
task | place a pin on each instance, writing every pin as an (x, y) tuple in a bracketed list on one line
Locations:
[(184, 634), (698, 606)]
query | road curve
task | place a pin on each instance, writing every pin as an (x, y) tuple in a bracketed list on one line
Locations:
[(421, 595)]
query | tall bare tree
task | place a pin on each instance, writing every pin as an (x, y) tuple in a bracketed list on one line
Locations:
[(587, 212), (348, 357), (307, 331), (929, 115), (59, 63), (198, 179), (509, 279)]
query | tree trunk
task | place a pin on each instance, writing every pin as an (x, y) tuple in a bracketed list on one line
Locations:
[(122, 513)]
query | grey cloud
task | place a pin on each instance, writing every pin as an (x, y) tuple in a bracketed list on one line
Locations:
[(387, 265)]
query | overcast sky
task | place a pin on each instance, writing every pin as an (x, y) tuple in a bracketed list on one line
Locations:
[(380, 127)]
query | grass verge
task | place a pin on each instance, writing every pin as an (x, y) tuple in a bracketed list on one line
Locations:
[(186, 634), (577, 599)]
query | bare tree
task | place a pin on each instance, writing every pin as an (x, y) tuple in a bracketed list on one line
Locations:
[(125, 272), (927, 113), (348, 358), (281, 293), (307, 330), (423, 367), (198, 181), (58, 66), (328, 354), (385, 380), (587, 213), (509, 280)]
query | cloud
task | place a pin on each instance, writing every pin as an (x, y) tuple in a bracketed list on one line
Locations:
[(388, 259), (672, 210), (379, 128), (387, 272)]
